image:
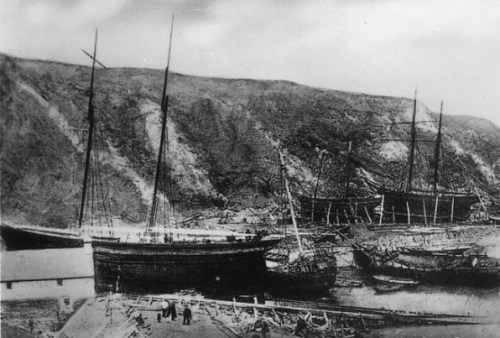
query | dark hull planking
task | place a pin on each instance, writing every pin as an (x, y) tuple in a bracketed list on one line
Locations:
[(342, 210), (438, 269), (452, 207), (303, 282), (145, 267), (27, 239)]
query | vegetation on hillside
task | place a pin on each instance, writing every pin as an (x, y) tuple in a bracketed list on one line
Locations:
[(223, 140)]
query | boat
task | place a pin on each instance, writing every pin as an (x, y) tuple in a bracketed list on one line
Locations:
[(27, 237), (386, 284), (292, 267), (344, 210), (443, 268), (156, 264), (413, 206), (32, 238), (435, 249)]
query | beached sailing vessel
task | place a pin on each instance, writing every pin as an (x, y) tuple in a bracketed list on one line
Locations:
[(414, 206), (160, 264), (292, 267), (31, 237)]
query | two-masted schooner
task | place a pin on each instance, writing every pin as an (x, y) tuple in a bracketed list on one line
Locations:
[(160, 264)]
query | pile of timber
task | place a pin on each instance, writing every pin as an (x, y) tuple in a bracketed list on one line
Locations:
[(283, 314)]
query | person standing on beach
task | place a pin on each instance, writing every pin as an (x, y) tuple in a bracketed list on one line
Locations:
[(187, 315), (173, 311), (164, 308)]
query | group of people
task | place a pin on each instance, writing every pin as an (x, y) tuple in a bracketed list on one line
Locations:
[(168, 310)]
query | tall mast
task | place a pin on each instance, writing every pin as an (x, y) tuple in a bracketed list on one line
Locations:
[(412, 144), (90, 136), (289, 195), (287, 187), (164, 109), (437, 150)]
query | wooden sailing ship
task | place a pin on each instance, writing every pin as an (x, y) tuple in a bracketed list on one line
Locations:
[(28, 238), (156, 266), (294, 268), (340, 210), (414, 206)]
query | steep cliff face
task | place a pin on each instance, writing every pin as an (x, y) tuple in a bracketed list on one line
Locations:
[(222, 146)]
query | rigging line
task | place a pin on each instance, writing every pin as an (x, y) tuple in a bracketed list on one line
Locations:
[(104, 196), (106, 173)]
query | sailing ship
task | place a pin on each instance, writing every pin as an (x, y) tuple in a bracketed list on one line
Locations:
[(29, 237), (413, 206), (344, 210), (153, 266), (294, 268)]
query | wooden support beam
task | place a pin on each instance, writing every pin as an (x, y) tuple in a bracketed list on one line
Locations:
[(368, 215), (408, 212), (381, 210), (436, 209)]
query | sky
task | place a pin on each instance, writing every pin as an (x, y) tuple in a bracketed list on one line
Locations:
[(447, 49)]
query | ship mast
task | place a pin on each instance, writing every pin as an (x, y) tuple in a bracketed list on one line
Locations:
[(90, 136), (164, 109), (287, 188), (437, 150), (412, 144)]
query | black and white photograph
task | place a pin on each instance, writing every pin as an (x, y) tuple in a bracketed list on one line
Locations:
[(249, 168)]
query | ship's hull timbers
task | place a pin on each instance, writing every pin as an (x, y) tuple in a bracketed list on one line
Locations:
[(166, 267)]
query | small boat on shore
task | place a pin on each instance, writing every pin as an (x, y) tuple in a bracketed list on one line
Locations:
[(385, 284)]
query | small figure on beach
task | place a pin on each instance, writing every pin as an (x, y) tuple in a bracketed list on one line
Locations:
[(164, 307), (263, 326), (187, 315), (172, 311), (300, 327)]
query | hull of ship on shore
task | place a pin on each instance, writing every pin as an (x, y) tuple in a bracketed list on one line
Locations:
[(475, 270), (312, 282), (165, 267), (16, 238), (421, 207), (339, 210)]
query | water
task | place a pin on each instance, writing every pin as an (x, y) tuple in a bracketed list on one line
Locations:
[(424, 298)]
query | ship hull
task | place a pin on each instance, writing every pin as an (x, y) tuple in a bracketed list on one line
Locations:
[(312, 272), (313, 282), (30, 239), (339, 210), (421, 206), (147, 267), (475, 270)]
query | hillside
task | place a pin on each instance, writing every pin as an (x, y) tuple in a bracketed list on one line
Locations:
[(222, 143)]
